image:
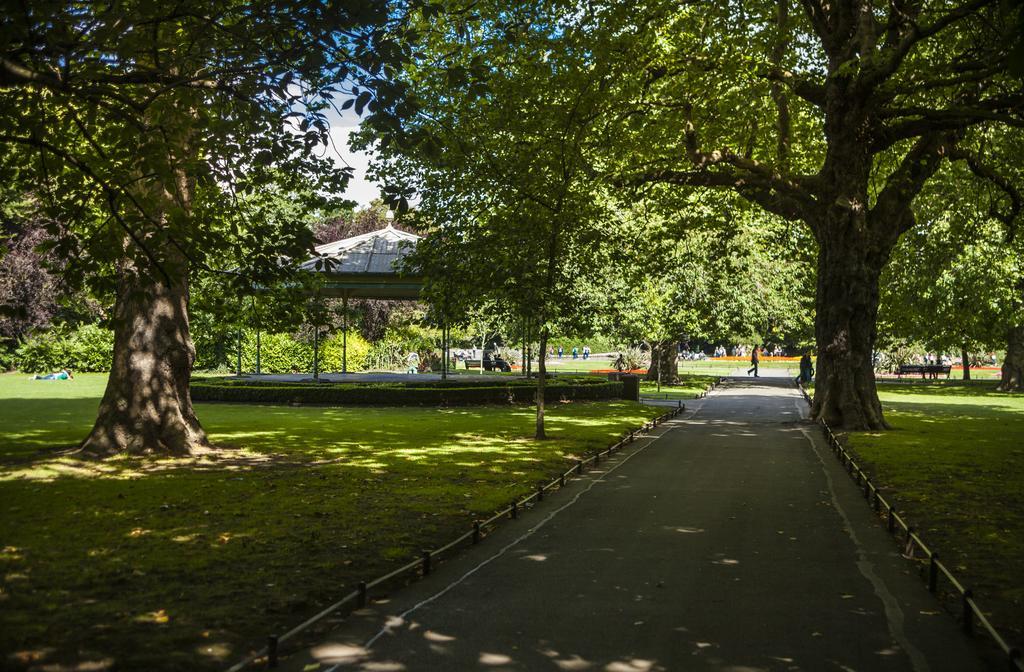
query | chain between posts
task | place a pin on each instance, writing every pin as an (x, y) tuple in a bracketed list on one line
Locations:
[(360, 597), (970, 613)]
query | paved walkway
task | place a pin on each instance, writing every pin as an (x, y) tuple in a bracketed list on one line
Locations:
[(730, 540)]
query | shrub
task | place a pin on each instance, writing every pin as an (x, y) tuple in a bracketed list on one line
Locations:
[(386, 355), (284, 353), (92, 348), (392, 394), (358, 353), (87, 348)]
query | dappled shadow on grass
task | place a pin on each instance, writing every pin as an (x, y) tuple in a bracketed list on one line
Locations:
[(182, 564), (954, 464), (251, 437)]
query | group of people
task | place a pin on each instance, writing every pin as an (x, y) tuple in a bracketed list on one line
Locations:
[(576, 352)]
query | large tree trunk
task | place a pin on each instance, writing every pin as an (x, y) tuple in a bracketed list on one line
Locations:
[(1013, 365), (965, 361), (664, 363), (668, 364), (146, 407), (849, 267), (652, 370), (542, 379)]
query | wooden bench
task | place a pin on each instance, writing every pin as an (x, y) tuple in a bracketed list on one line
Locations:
[(926, 370), (472, 363)]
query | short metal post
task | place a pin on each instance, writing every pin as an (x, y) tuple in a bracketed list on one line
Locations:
[(867, 486), (426, 562), (361, 594), (540, 492), (597, 459), (514, 510), (579, 466), (272, 651), (891, 522), (968, 623), (909, 548), (561, 480), (933, 573), (476, 532)]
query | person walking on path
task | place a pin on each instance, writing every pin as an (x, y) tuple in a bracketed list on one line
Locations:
[(806, 369), (755, 359)]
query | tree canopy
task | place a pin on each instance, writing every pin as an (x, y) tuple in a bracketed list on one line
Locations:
[(156, 135), (834, 115)]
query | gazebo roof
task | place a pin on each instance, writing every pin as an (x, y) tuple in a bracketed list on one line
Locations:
[(366, 266)]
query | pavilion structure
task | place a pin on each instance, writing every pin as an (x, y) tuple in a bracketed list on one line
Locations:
[(364, 267)]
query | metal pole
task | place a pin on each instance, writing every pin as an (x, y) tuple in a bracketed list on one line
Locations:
[(444, 352), (344, 334), (239, 358), (257, 351), (316, 353), (522, 367)]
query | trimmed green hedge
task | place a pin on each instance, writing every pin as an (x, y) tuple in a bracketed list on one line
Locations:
[(408, 394)]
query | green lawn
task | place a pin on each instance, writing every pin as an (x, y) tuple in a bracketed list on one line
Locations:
[(689, 386), (184, 564), (955, 464)]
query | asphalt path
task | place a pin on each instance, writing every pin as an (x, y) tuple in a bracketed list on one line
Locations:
[(728, 540)]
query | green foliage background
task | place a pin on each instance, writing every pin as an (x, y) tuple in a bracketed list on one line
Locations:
[(284, 353), (87, 348)]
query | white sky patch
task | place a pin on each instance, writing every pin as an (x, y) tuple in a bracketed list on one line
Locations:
[(359, 188)]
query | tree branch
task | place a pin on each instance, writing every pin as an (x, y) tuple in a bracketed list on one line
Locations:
[(906, 182), (894, 55), (110, 191), (989, 174), (804, 87)]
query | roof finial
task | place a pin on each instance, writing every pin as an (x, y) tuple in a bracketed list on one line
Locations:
[(389, 216)]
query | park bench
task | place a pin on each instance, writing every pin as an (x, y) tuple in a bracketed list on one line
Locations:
[(472, 363), (926, 370)]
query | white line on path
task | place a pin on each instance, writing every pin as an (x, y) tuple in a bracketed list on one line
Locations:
[(402, 617), (893, 613)]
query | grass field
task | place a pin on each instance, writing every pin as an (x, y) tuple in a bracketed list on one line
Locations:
[(690, 386), (955, 463), (141, 564)]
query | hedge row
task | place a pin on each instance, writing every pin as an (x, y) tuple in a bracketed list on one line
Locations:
[(457, 382), (87, 348), (402, 395)]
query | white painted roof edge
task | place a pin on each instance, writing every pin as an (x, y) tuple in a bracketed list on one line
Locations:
[(339, 246)]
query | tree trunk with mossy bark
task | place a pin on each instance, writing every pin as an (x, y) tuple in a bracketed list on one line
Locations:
[(1013, 365), (965, 361), (146, 407)]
